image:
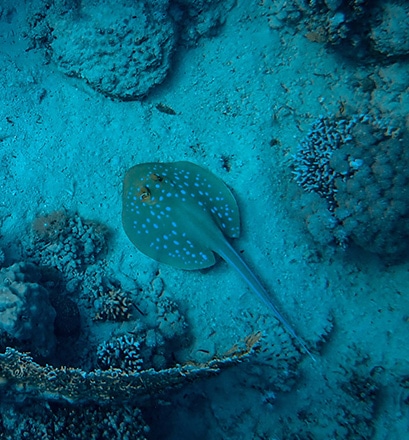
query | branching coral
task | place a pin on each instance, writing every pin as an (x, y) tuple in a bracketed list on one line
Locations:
[(113, 304)]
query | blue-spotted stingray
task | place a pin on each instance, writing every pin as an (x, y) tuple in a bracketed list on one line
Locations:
[(180, 214)]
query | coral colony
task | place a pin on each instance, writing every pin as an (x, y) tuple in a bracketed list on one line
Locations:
[(49, 292), (358, 169)]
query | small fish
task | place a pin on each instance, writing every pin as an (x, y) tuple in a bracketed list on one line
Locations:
[(180, 214), (163, 108)]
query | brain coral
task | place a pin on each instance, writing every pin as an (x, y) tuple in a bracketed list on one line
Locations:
[(356, 171)]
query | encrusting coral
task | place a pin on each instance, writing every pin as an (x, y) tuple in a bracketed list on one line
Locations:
[(122, 50)]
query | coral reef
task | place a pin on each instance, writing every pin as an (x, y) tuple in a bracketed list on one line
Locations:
[(356, 28), (51, 421), (356, 171), (121, 50), (26, 314), (122, 352), (71, 246), (66, 243), (390, 29), (131, 369)]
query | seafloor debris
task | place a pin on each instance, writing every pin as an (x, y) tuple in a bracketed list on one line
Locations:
[(356, 171), (19, 374)]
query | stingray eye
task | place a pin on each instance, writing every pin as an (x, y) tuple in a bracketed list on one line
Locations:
[(144, 194), (156, 177)]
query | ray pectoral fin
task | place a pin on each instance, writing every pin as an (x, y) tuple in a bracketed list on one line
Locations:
[(229, 254)]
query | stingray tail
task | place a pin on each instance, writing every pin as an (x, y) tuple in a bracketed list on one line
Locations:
[(234, 259)]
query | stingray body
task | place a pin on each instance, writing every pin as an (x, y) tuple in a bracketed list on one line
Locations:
[(180, 214)]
